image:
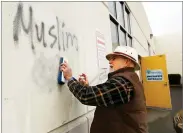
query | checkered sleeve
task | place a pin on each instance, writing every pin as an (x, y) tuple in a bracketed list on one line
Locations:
[(116, 90)]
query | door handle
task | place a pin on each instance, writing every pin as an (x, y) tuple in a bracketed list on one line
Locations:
[(165, 84)]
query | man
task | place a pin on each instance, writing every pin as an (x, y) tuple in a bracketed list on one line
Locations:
[(120, 102)]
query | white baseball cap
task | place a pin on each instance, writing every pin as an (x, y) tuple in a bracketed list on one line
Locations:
[(127, 52)]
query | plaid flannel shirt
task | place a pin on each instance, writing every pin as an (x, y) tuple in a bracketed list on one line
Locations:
[(116, 90)]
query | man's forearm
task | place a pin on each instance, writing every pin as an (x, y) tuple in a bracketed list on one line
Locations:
[(113, 91)]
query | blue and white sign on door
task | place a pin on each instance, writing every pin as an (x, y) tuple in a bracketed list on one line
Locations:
[(154, 75)]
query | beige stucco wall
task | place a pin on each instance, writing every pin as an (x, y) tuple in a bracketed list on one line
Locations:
[(171, 46), (141, 29), (32, 100)]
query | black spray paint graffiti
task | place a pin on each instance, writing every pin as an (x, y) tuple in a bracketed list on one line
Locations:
[(67, 38), (16, 24)]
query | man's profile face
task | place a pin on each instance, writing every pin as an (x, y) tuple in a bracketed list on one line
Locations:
[(116, 62)]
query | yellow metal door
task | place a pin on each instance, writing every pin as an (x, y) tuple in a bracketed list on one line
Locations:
[(155, 81)]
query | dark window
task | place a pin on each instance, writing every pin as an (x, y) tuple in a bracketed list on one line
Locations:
[(120, 24), (114, 34)]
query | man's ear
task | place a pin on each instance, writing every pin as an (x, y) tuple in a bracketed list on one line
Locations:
[(128, 61)]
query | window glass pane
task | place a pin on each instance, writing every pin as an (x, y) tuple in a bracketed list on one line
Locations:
[(129, 41), (122, 37), (129, 26), (112, 8), (114, 35), (127, 21), (120, 13)]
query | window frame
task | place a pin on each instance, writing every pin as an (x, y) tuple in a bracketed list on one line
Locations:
[(122, 28)]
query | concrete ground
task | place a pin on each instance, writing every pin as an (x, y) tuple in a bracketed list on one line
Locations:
[(160, 121)]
